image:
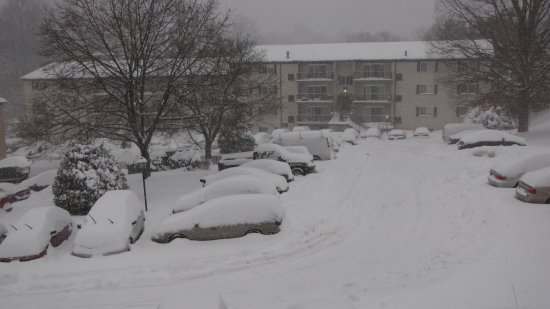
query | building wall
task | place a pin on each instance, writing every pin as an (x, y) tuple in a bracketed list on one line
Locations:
[(2, 132)]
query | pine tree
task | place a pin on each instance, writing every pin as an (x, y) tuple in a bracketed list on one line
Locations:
[(85, 174), (235, 139)]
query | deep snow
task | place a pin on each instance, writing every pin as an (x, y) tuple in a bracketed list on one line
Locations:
[(402, 224)]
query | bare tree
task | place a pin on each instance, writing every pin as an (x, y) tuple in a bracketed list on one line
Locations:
[(120, 63), (234, 93), (509, 43)]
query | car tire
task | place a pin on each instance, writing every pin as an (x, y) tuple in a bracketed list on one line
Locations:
[(297, 171), (316, 158), (174, 236), (253, 231)]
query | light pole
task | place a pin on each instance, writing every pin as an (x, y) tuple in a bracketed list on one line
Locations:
[(143, 166)]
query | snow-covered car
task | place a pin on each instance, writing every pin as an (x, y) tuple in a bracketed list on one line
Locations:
[(14, 169), (279, 181), (225, 217), (234, 159), (301, 128), (453, 139), (114, 223), (262, 138), (350, 135), (34, 232), (5, 201), (300, 164), (278, 132), (372, 132), (507, 173), (490, 138), (15, 192), (40, 181), (320, 144), (234, 185), (421, 131), (298, 149), (534, 187), (273, 167), (3, 232), (453, 128), (397, 134)]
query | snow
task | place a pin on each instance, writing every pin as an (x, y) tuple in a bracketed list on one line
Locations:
[(539, 178), (278, 181), (43, 179), (297, 149), (10, 188), (458, 136), (15, 161), (317, 142), (262, 138), (272, 166), (386, 225), (2, 100), (227, 210), (454, 128), (278, 132), (234, 185), (109, 223), (372, 132), (3, 231), (300, 129), (517, 167), (492, 136), (349, 135), (33, 231), (422, 131), (286, 155)]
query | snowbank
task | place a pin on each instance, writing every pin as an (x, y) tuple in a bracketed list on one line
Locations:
[(16, 161)]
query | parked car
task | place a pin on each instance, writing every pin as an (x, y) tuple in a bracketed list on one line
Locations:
[(40, 181), (350, 135), (15, 192), (224, 217), (490, 138), (373, 132), (298, 149), (34, 232), (278, 132), (421, 131), (453, 128), (317, 142), (114, 223), (262, 138), (534, 187), (3, 232), (14, 169), (273, 167), (300, 164), (453, 139), (300, 129), (279, 181), (507, 173), (5, 201), (234, 185), (397, 134), (234, 159)]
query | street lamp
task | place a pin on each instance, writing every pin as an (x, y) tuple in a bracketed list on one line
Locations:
[(142, 167)]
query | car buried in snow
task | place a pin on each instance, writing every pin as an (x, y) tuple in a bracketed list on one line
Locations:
[(34, 232), (490, 138), (225, 217), (534, 187), (15, 192), (507, 173), (300, 164), (397, 134), (279, 181), (421, 132), (273, 167), (114, 223)]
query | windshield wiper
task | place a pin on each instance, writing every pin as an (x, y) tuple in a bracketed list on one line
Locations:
[(30, 227), (110, 220), (92, 218), (13, 227)]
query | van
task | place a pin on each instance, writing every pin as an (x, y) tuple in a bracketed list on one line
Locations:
[(453, 128), (300, 163), (315, 141)]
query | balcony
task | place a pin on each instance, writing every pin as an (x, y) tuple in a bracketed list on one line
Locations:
[(314, 97), (312, 118), (372, 75), (372, 97), (360, 119), (315, 76)]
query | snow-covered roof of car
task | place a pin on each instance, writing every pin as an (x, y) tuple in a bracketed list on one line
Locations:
[(15, 161), (492, 136), (271, 166), (279, 181), (43, 179), (396, 132), (539, 178), (519, 166), (116, 205)]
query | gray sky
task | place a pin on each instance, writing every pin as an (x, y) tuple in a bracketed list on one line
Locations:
[(334, 17)]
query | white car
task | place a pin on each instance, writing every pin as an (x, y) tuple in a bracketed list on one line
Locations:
[(298, 149), (350, 135), (279, 181), (490, 138), (114, 223), (397, 134), (34, 232), (237, 184), (453, 128), (507, 173), (224, 217), (372, 132), (421, 131), (273, 167)]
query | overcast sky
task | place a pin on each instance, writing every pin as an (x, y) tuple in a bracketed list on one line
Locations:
[(334, 17)]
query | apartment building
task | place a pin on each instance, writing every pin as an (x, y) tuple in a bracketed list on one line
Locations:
[(3, 103), (338, 85)]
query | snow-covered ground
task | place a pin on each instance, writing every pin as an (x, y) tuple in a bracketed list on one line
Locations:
[(389, 224)]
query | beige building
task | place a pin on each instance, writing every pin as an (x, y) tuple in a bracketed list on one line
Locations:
[(3, 103), (332, 85)]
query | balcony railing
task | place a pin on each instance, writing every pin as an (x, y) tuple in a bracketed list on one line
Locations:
[(371, 118), (314, 97), (315, 75), (372, 97), (372, 75), (310, 118)]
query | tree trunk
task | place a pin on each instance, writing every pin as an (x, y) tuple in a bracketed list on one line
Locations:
[(207, 153), (144, 149), (523, 116)]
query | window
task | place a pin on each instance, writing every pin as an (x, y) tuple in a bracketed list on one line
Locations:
[(397, 119), (374, 70), (399, 76), (427, 66), (317, 71), (398, 98), (290, 119), (426, 89), (376, 93), (290, 77), (467, 89), (317, 92), (268, 69), (39, 85), (461, 111), (423, 111), (345, 80)]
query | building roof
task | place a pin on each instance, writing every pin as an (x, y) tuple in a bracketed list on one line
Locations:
[(409, 50), (2, 100)]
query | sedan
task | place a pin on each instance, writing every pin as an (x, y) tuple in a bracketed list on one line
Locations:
[(534, 187), (490, 138), (34, 232), (114, 223), (16, 193), (225, 217), (274, 167), (234, 185), (279, 181), (507, 173), (397, 134), (422, 131)]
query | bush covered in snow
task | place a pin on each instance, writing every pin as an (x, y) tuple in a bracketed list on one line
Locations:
[(85, 174), (235, 139), (492, 119)]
